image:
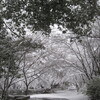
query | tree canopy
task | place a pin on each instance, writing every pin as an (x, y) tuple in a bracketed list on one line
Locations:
[(40, 14)]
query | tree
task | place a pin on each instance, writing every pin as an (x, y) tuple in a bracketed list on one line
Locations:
[(25, 47), (11, 56), (7, 63), (40, 14), (80, 55), (84, 60)]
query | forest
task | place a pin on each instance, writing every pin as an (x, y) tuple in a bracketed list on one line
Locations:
[(49, 45)]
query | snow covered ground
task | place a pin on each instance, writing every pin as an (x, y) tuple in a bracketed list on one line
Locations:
[(70, 95)]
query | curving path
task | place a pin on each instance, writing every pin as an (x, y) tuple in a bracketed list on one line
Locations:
[(70, 95)]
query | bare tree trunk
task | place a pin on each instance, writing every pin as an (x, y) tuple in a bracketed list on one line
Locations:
[(5, 90), (26, 91), (25, 77), (7, 84)]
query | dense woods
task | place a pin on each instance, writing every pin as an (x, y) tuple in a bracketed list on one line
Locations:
[(48, 44)]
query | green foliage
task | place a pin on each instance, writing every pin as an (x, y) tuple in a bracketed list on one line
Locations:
[(93, 89)]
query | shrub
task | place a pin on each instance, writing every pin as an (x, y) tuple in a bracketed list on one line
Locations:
[(93, 89)]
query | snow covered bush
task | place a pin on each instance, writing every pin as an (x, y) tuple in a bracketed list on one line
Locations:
[(93, 89)]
